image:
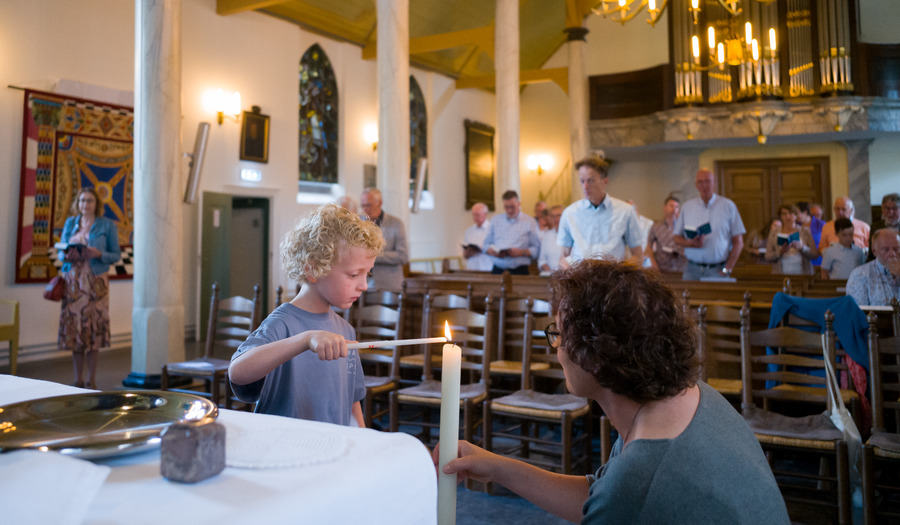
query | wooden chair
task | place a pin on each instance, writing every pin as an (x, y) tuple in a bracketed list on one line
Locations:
[(785, 355), (512, 332), (9, 331), (433, 303), (379, 319), (231, 320), (528, 410), (472, 332), (881, 453), (719, 344)]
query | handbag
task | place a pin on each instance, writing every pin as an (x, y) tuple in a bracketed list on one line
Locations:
[(55, 288), (843, 421)]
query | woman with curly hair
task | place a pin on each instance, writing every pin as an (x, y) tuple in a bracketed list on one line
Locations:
[(683, 454), (297, 364)]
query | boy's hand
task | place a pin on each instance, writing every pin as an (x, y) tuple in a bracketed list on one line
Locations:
[(327, 346)]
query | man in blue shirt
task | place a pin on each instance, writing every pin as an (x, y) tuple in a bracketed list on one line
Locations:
[(512, 240), (599, 225), (714, 253)]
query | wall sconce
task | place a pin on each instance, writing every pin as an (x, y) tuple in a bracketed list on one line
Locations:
[(223, 104), (370, 134), (539, 163)]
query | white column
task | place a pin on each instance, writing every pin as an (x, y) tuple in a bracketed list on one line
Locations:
[(578, 103), (393, 106), (506, 59), (157, 320)]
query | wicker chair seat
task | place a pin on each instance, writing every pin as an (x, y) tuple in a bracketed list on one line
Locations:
[(514, 368), (887, 444), (429, 391)]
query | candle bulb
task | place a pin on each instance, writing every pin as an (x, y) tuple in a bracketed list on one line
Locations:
[(449, 433)]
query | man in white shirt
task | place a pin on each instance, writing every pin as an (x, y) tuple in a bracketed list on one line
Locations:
[(548, 260), (715, 252), (598, 225), (473, 242)]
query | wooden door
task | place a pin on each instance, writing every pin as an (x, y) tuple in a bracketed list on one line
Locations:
[(759, 186), (215, 252)]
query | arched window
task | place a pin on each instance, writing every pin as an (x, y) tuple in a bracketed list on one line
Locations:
[(318, 118), (418, 131)]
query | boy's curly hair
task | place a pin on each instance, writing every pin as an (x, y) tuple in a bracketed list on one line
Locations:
[(312, 248), (623, 325)]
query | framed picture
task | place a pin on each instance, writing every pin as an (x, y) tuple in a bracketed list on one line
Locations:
[(255, 136), (479, 164)]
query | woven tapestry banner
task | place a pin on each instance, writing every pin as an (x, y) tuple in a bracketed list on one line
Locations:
[(69, 143)]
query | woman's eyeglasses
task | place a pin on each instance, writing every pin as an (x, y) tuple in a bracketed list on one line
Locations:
[(552, 335)]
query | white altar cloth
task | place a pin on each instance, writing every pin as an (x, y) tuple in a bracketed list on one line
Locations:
[(379, 477)]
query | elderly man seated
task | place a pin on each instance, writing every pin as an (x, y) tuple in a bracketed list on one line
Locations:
[(877, 282)]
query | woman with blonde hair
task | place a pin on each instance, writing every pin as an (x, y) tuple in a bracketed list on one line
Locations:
[(91, 244)]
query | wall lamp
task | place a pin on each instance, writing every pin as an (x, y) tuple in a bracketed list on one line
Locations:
[(539, 162), (224, 105), (370, 135)]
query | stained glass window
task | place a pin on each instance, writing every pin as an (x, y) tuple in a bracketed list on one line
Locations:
[(418, 131), (318, 118)]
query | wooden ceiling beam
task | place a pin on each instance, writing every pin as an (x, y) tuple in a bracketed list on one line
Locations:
[(481, 37), (558, 75), (230, 7), (577, 10)]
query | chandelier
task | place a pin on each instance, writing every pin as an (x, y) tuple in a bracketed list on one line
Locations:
[(726, 50)]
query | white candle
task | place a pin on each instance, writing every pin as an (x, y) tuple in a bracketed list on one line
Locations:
[(450, 373), (396, 342)]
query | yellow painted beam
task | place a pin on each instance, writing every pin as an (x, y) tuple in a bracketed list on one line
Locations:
[(230, 7), (482, 37), (558, 75), (576, 11)]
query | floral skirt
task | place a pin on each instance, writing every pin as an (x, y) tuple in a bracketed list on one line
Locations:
[(84, 318)]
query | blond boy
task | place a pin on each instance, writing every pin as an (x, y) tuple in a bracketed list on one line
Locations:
[(296, 363)]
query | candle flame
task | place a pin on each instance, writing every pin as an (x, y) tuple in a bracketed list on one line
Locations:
[(447, 333)]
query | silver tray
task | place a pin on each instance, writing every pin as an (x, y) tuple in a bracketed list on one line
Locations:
[(98, 424)]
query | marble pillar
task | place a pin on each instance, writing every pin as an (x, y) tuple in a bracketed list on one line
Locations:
[(506, 63), (578, 103), (858, 179), (393, 106), (157, 320)]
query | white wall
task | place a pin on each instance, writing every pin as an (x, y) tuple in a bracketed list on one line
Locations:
[(878, 22), (884, 167), (255, 54)]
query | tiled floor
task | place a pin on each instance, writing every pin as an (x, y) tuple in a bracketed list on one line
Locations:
[(473, 507)]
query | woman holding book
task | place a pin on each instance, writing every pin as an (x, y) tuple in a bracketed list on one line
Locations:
[(89, 244), (791, 247)]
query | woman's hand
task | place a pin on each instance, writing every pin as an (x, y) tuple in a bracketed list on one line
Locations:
[(92, 253), (473, 463)]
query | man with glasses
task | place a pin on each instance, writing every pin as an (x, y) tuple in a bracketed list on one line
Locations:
[(890, 218), (683, 454)]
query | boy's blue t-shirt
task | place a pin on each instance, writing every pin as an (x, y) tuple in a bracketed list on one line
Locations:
[(305, 387)]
